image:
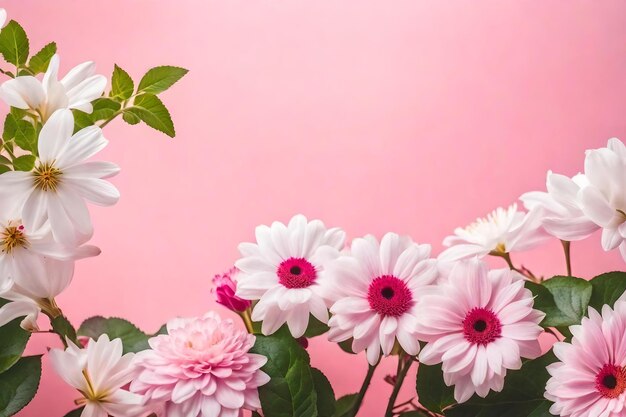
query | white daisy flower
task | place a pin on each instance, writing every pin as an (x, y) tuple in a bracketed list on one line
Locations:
[(75, 91), (282, 270), (61, 180), (377, 287), (501, 232)]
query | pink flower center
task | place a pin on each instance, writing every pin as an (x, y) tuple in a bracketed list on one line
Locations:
[(611, 381), (389, 296), (296, 273), (481, 326)]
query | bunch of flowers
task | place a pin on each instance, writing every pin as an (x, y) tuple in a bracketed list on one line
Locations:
[(472, 331)]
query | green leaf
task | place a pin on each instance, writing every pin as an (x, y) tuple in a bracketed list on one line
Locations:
[(522, 395), (607, 288), (19, 385), (414, 413), (315, 328), (153, 112), (104, 108), (345, 404), (130, 118), (122, 85), (346, 346), (255, 414), (39, 62), (13, 341), (62, 327), (75, 413), (81, 120), (159, 79), (162, 330), (133, 339), (24, 163), (433, 393), (290, 392), (563, 299), (26, 136), (14, 44), (325, 394), (10, 126), (4, 168)]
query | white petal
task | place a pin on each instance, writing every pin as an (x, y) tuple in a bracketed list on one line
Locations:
[(595, 206), (23, 92), (79, 74), (87, 91), (98, 191), (82, 145), (55, 135)]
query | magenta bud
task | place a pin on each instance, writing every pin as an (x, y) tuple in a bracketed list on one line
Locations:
[(224, 289)]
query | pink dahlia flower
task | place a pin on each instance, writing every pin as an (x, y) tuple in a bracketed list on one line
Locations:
[(224, 289), (590, 379), (201, 368), (377, 288), (479, 324)]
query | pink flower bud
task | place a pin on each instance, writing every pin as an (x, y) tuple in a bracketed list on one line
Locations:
[(224, 288)]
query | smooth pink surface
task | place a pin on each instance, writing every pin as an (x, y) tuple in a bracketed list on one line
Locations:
[(403, 116)]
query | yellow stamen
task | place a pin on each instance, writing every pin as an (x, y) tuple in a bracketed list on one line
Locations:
[(11, 238), (47, 177)]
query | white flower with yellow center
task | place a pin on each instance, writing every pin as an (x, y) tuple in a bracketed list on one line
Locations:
[(62, 179), (501, 232), (74, 91), (98, 372)]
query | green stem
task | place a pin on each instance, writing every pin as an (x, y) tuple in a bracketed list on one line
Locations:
[(568, 259), (396, 389), (363, 390), (110, 119)]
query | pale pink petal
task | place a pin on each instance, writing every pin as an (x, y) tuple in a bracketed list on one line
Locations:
[(24, 92)]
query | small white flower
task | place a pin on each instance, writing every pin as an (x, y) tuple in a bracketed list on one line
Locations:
[(56, 189), (99, 372), (501, 232), (3, 17), (282, 269), (75, 91), (560, 208), (604, 199)]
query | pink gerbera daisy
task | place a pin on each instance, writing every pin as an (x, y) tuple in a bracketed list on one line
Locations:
[(479, 324), (376, 288), (590, 379)]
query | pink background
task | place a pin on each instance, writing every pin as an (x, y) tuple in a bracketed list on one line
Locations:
[(403, 116)]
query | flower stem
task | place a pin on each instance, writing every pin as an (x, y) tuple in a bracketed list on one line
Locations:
[(363, 390), (247, 320), (399, 380), (568, 260)]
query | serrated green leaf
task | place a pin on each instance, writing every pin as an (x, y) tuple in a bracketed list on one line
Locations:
[(75, 413), (39, 62), (62, 326), (325, 394), (563, 299), (151, 110), (4, 168), (290, 392), (346, 346), (10, 126), (133, 339), (4, 160), (13, 341), (162, 330), (14, 44), (122, 85), (344, 405), (24, 163), (81, 120), (19, 385), (104, 108), (159, 79), (607, 289), (26, 136), (433, 393), (130, 118)]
